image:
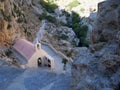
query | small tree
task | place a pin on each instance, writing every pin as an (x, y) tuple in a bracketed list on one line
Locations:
[(64, 61)]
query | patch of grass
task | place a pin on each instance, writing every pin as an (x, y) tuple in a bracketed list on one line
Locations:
[(82, 9), (49, 5), (50, 1), (75, 3)]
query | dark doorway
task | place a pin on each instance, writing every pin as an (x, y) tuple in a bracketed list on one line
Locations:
[(49, 62), (38, 46), (49, 65), (39, 62)]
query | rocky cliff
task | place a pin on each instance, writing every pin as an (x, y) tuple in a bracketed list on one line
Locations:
[(17, 20), (14, 22), (21, 19), (98, 68)]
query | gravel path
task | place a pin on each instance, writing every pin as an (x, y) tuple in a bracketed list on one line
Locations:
[(33, 79)]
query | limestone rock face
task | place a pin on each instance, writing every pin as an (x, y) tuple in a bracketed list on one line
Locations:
[(107, 23), (98, 68), (62, 38), (17, 20)]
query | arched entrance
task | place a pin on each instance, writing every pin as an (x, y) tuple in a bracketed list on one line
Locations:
[(49, 63), (39, 62)]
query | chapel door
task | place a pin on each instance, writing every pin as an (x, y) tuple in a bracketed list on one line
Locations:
[(39, 62), (49, 63)]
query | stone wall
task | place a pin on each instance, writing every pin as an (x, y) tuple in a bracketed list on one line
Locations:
[(63, 56)]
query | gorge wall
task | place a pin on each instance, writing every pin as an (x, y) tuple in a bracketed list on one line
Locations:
[(98, 67), (17, 20)]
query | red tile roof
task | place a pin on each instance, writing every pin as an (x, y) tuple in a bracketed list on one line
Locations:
[(25, 48)]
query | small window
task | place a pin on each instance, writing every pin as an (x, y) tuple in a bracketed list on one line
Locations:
[(48, 60)]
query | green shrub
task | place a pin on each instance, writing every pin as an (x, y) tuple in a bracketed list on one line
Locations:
[(7, 18), (74, 42), (73, 4), (49, 5), (18, 11), (20, 20), (69, 54), (63, 24), (86, 42), (64, 61), (83, 31), (8, 52), (42, 16), (80, 30), (25, 30), (15, 8), (51, 19), (75, 18)]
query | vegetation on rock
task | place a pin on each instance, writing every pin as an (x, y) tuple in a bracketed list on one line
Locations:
[(80, 30), (48, 5), (75, 3)]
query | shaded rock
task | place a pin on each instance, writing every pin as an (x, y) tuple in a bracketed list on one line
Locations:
[(99, 68)]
